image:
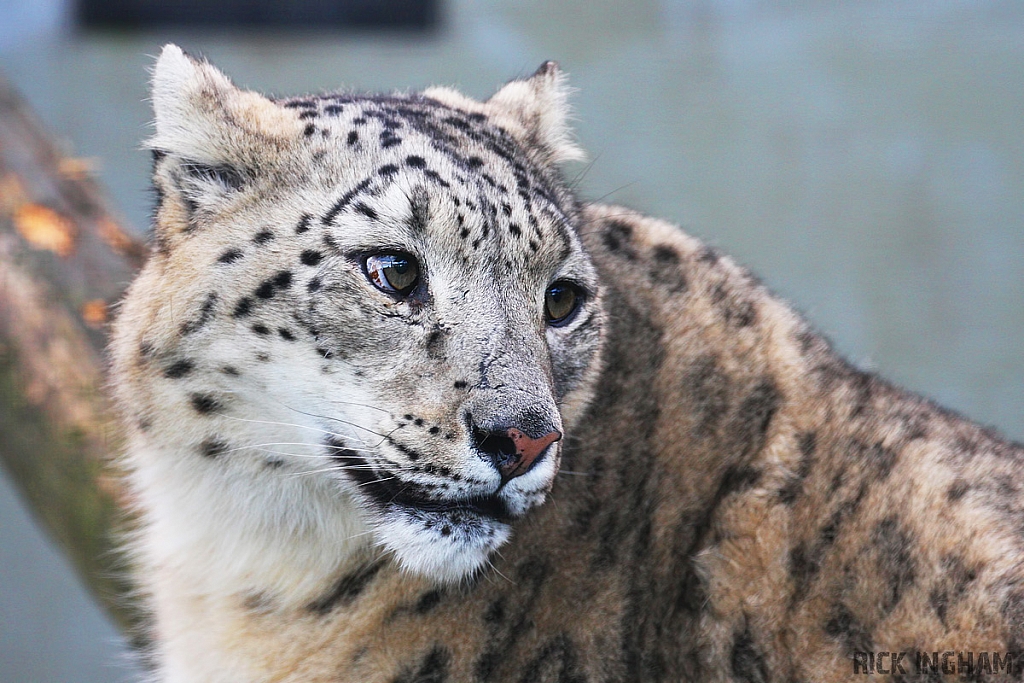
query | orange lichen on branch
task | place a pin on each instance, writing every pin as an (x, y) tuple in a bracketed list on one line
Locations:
[(94, 313), (44, 228), (12, 193), (116, 239), (77, 168)]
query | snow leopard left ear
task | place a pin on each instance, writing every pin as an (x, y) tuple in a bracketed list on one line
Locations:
[(201, 116), (211, 139), (540, 105)]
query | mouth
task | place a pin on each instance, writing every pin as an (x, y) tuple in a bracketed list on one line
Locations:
[(387, 491), (491, 507)]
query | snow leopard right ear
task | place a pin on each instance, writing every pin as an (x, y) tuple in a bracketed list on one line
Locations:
[(540, 106), (535, 109)]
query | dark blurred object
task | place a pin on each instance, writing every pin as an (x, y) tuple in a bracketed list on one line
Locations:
[(403, 14)]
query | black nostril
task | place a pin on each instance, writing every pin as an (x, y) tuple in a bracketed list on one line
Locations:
[(512, 451), (499, 447)]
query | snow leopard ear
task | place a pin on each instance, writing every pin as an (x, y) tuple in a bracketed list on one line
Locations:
[(201, 116), (540, 105), (211, 139)]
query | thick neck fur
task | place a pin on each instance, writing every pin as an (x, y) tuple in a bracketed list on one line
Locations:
[(218, 530)]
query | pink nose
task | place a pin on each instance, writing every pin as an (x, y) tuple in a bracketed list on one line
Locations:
[(527, 451)]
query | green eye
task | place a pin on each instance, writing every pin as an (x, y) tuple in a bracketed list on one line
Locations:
[(395, 273), (561, 301)]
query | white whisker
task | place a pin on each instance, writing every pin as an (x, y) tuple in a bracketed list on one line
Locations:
[(281, 424), (338, 419)]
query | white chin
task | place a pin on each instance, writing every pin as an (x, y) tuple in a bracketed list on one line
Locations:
[(440, 548)]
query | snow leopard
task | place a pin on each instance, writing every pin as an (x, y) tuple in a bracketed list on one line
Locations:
[(401, 408)]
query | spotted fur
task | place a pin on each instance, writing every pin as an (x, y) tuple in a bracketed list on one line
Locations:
[(733, 502)]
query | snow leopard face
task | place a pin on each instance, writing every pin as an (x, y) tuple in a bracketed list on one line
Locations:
[(383, 297)]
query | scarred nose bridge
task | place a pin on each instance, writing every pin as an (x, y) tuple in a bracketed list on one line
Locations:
[(510, 414)]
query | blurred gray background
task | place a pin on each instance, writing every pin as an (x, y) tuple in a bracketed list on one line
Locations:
[(866, 158)]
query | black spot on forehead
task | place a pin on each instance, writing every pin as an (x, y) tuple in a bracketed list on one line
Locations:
[(265, 290), (345, 200), (458, 123), (179, 369), (230, 256), (420, 208), (283, 279), (489, 179), (366, 211), (435, 177), (263, 236), (243, 307), (485, 153)]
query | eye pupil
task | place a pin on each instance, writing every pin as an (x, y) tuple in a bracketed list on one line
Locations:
[(393, 273), (561, 301)]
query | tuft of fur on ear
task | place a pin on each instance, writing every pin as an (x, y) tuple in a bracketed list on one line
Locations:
[(203, 117), (540, 106)]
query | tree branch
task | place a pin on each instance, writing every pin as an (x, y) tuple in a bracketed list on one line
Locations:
[(63, 261)]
